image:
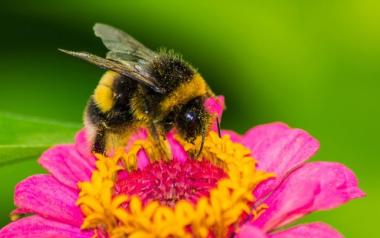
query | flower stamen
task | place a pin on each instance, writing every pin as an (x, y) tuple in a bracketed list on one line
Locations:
[(258, 211)]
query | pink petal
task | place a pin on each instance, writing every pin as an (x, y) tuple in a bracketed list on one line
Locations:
[(44, 195), (215, 106), (235, 137), (142, 157), (21, 211), (84, 148), (140, 134), (250, 231), (66, 165), (38, 227), (312, 230), (177, 149), (278, 149), (314, 186)]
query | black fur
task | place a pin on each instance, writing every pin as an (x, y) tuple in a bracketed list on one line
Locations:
[(171, 71), (121, 113)]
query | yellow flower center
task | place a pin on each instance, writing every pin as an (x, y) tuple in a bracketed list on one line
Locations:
[(214, 215)]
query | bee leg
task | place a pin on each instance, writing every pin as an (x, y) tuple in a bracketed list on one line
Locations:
[(99, 145), (202, 143), (160, 145)]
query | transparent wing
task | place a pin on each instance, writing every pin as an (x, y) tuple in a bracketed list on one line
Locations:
[(130, 69), (118, 41)]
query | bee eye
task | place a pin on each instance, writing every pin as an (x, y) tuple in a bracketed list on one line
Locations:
[(190, 116), (191, 120)]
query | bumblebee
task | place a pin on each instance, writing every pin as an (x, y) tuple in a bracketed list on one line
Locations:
[(143, 88)]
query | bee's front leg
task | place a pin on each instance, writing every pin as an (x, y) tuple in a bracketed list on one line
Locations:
[(160, 142)]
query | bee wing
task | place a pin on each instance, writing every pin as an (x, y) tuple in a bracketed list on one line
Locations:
[(118, 41), (130, 69)]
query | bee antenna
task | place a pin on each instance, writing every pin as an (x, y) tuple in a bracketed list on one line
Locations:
[(218, 126), (202, 143)]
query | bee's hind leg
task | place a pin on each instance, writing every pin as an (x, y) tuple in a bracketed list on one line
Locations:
[(99, 145)]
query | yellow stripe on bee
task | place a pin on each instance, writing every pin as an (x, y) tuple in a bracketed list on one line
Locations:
[(103, 95), (194, 88)]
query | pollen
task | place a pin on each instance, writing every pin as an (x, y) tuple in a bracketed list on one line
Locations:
[(103, 94), (203, 197)]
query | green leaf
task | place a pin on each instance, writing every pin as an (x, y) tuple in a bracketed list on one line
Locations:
[(23, 138)]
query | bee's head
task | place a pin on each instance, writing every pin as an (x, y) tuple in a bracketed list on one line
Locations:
[(192, 120)]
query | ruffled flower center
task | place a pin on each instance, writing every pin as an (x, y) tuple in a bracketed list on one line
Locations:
[(204, 197), (170, 182)]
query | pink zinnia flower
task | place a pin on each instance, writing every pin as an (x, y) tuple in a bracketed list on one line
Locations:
[(247, 185)]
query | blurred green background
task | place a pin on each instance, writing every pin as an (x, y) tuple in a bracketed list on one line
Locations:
[(312, 64)]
